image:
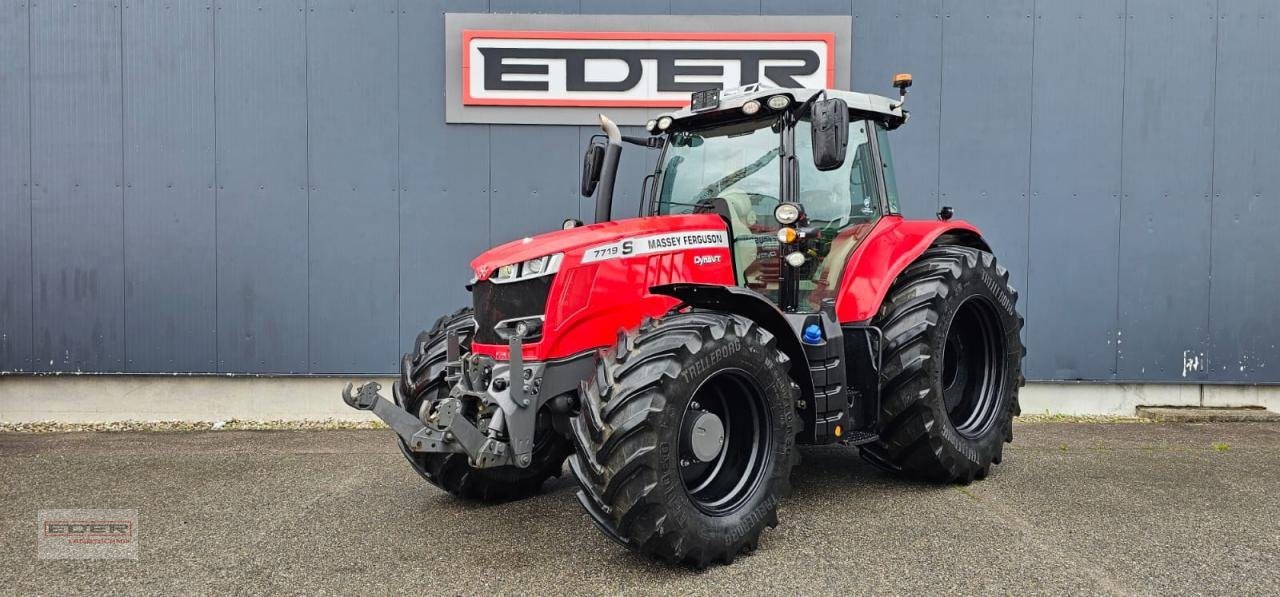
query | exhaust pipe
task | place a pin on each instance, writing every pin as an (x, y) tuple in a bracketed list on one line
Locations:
[(608, 170)]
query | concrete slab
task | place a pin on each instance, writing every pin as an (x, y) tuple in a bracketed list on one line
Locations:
[(1232, 395), (192, 398), (1196, 414), (112, 398), (1064, 398)]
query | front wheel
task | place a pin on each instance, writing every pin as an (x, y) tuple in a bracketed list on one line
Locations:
[(686, 438), (951, 367)]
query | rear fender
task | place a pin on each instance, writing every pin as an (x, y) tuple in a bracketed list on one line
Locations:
[(890, 247)]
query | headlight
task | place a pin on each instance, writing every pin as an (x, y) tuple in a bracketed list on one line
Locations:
[(795, 259), (786, 213), (533, 268), (664, 123)]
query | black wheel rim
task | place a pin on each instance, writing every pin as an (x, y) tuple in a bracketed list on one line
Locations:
[(972, 368), (724, 484)]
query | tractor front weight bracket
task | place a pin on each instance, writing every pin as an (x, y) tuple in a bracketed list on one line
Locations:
[(453, 433), (517, 389)]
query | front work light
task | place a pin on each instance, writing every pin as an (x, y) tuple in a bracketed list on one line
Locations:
[(786, 213), (751, 107), (651, 126), (779, 102), (664, 123)]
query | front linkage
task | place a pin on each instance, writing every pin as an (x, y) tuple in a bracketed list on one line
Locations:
[(518, 390)]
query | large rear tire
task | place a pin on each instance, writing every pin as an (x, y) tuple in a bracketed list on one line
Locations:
[(422, 379), (952, 366), (686, 438)]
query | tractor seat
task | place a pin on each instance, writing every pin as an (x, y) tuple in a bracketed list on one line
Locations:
[(741, 217)]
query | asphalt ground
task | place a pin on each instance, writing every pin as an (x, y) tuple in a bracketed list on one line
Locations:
[(1075, 508)]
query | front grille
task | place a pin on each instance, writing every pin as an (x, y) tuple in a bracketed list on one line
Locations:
[(498, 302)]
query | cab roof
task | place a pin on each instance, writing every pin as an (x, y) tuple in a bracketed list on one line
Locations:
[(875, 106)]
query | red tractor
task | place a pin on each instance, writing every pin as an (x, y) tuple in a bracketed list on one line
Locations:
[(771, 296)]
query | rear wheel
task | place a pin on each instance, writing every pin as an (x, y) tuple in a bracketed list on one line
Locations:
[(422, 379), (952, 366), (686, 438)]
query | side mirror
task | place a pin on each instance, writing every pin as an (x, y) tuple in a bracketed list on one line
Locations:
[(592, 163), (829, 122)]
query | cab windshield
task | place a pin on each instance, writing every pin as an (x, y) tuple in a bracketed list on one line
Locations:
[(741, 163), (738, 162)]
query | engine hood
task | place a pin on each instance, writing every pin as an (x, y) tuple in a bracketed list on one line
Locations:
[(576, 240)]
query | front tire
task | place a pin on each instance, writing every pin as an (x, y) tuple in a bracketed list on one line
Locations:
[(951, 367), (650, 477), (422, 379)]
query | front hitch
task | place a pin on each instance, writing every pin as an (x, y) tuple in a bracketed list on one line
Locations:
[(448, 432), (517, 389)]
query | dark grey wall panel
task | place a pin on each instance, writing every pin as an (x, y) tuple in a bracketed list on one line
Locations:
[(986, 123), (715, 7), (1168, 158), (444, 178), (535, 6), (1075, 190), (15, 188), (270, 187), (533, 187), (354, 189), (1244, 318), (626, 7), (77, 230), (812, 7), (905, 37), (170, 259), (261, 101)]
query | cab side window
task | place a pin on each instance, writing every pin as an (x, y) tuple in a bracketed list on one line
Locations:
[(842, 206), (886, 163), (844, 195)]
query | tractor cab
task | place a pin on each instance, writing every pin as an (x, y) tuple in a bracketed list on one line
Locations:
[(800, 177)]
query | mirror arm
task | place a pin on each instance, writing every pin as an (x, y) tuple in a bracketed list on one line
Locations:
[(808, 104), (654, 142)]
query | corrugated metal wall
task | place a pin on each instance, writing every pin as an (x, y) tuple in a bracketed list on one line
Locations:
[(269, 186)]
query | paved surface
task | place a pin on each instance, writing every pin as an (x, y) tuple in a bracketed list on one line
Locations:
[(1119, 508)]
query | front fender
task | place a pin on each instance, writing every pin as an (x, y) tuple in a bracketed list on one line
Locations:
[(754, 306)]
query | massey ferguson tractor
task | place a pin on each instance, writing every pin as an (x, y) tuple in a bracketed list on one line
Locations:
[(771, 295)]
